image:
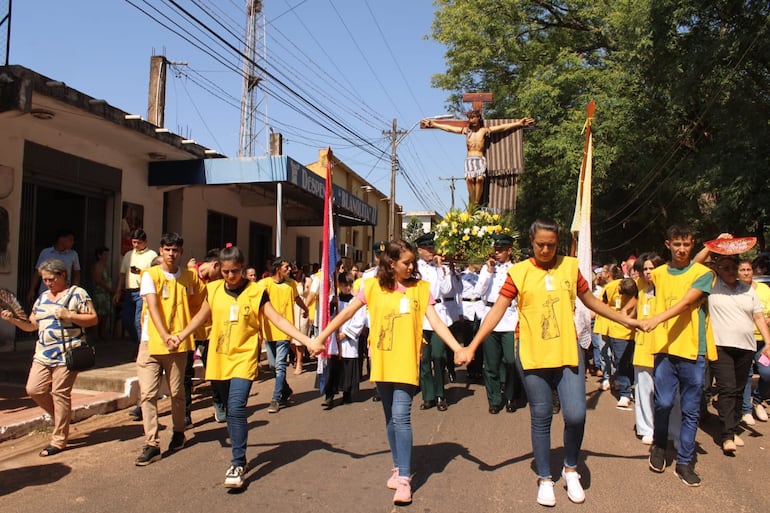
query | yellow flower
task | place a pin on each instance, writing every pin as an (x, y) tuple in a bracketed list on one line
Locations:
[(466, 238), (464, 216), (496, 217), (474, 232), (498, 229)]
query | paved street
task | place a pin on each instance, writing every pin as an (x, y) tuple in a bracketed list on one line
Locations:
[(304, 459)]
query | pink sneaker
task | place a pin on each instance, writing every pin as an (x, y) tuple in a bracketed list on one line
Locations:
[(403, 493), (393, 479)]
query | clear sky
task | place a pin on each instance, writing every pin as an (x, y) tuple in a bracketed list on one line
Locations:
[(359, 62)]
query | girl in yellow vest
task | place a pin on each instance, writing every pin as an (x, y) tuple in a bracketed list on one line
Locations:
[(398, 301), (237, 308), (548, 357)]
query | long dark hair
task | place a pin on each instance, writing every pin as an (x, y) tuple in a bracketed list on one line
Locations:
[(385, 273)]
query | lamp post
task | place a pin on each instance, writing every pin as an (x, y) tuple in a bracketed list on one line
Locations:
[(396, 136)]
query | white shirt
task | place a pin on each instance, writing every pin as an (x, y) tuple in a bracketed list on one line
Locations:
[(441, 288), (488, 289)]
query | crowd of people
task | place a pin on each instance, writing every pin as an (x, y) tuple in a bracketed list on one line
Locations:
[(669, 335)]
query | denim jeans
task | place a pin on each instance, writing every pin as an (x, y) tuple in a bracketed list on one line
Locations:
[(570, 383), (234, 393), (763, 385), (601, 353), (397, 405), (672, 373), (622, 359), (131, 315), (277, 352)]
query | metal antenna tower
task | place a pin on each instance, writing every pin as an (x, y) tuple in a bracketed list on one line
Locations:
[(250, 100)]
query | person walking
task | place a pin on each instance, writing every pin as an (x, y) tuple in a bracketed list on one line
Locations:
[(548, 356), (398, 301), (60, 316), (237, 307)]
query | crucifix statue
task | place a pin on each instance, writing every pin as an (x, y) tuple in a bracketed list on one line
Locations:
[(477, 139)]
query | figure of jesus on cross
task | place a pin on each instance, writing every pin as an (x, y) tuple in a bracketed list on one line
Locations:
[(476, 139)]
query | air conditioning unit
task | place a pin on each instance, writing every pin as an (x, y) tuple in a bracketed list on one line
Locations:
[(345, 250)]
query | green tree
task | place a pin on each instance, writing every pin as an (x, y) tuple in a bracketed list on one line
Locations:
[(681, 89), (412, 230)]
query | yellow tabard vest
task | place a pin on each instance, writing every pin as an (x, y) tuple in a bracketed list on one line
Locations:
[(678, 336), (204, 330), (763, 291), (235, 323), (643, 356), (616, 301), (282, 297), (395, 333), (546, 301), (179, 299)]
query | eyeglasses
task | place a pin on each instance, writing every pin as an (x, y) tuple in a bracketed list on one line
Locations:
[(231, 271)]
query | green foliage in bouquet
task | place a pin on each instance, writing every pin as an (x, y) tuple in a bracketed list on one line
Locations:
[(466, 236)]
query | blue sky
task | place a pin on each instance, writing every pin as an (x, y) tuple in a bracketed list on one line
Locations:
[(362, 62)]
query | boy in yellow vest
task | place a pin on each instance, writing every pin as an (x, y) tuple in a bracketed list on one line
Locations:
[(172, 295), (681, 347)]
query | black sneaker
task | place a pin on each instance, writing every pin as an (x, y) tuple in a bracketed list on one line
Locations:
[(177, 441), (149, 455), (657, 459), (687, 474), (136, 414), (285, 395)]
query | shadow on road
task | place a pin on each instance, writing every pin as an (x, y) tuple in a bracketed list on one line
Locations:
[(15, 479)]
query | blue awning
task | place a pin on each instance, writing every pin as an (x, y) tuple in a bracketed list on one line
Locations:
[(260, 170)]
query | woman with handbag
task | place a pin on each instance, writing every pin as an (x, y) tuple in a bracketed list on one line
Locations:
[(60, 316)]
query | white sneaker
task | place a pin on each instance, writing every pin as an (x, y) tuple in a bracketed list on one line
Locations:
[(574, 488), (605, 384), (234, 477), (545, 495), (748, 419), (760, 413), (624, 403)]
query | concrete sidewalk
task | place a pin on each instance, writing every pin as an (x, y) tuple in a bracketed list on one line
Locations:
[(112, 385)]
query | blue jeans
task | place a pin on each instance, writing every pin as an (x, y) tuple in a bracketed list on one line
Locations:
[(234, 393), (277, 352), (763, 385), (570, 383), (397, 405), (131, 315), (622, 359), (672, 372), (601, 353)]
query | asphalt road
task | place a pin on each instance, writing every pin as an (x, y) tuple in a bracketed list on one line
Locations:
[(304, 459)]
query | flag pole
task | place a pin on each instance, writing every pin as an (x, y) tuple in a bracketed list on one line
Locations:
[(590, 109)]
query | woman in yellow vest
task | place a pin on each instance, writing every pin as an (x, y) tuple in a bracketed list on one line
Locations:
[(237, 308), (398, 301), (644, 361), (545, 287)]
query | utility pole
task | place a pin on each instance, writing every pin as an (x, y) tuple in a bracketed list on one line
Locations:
[(394, 138), (452, 180)]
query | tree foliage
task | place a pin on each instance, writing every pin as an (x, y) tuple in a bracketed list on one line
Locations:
[(682, 89), (412, 230)]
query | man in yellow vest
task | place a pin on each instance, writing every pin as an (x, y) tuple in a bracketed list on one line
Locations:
[(283, 294), (172, 295), (681, 346)]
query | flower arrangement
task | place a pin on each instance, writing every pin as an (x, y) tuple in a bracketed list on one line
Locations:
[(467, 235)]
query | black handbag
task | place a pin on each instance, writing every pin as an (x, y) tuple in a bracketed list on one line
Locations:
[(81, 357)]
